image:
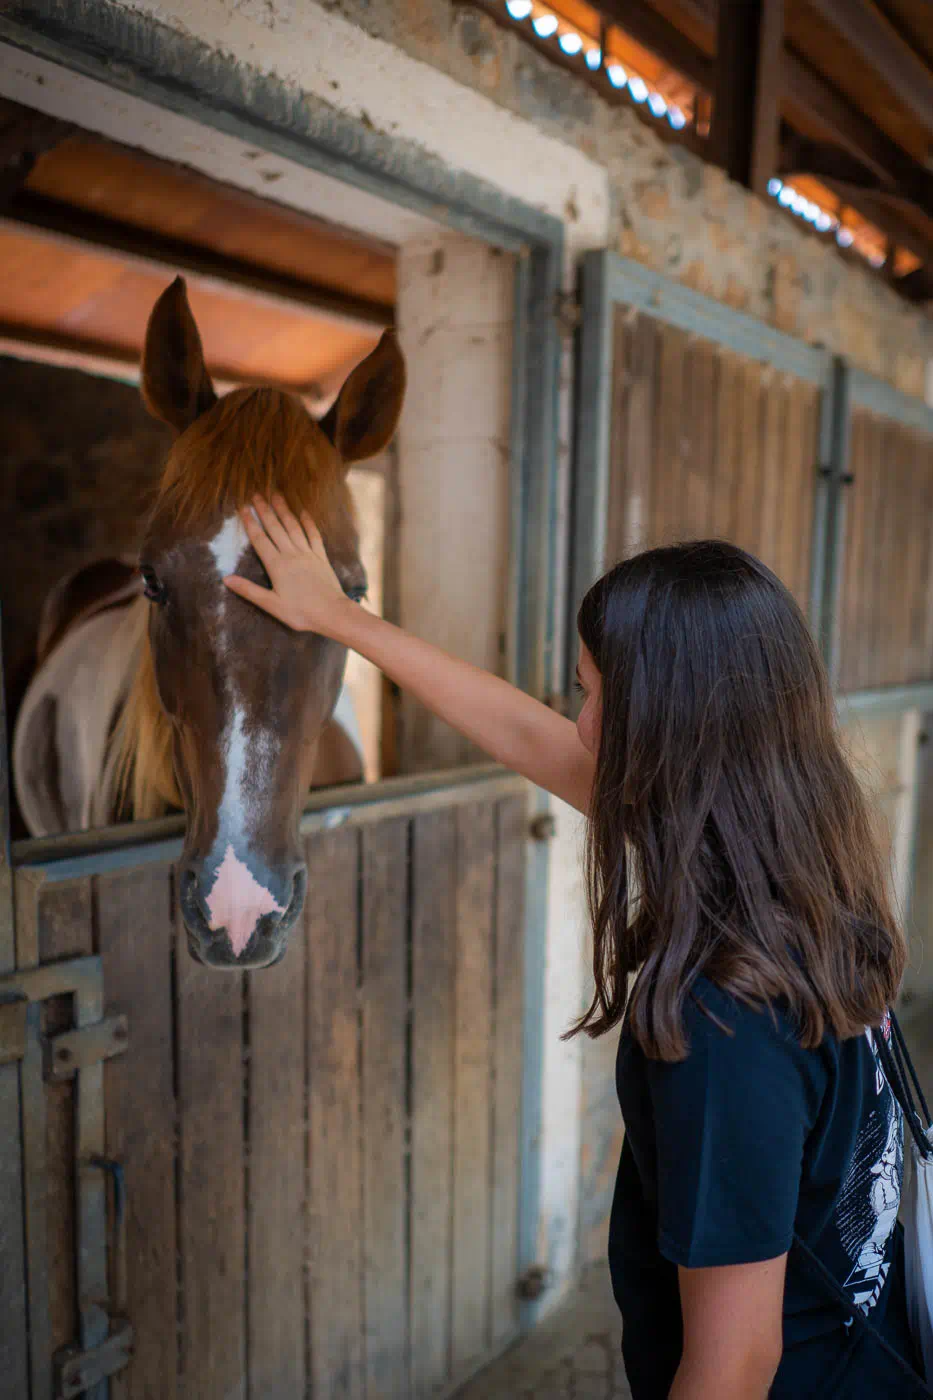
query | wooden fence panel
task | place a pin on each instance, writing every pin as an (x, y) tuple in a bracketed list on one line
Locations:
[(277, 1142), (472, 1081), (706, 443), (511, 820), (385, 1014), (434, 854), (321, 1158), (135, 932), (212, 1178), (335, 1185), (886, 604)]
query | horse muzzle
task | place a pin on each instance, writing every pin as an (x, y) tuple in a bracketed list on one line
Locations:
[(235, 918)]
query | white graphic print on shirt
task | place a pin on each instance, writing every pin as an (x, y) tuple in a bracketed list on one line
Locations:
[(868, 1202)]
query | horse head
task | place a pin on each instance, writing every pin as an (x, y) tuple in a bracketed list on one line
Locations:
[(237, 702)]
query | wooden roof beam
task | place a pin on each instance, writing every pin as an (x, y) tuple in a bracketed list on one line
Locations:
[(870, 34), (801, 156), (62, 223), (745, 133)]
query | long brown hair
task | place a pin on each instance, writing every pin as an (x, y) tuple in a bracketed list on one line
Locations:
[(728, 837)]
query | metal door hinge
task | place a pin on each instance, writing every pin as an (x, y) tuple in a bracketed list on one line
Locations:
[(568, 313), (77, 1371)]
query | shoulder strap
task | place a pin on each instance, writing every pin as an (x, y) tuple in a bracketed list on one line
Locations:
[(818, 1270), (905, 1086)]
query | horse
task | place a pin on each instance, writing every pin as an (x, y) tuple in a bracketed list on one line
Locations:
[(182, 695)]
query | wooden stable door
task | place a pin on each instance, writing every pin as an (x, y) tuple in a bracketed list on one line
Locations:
[(707, 443), (316, 1165)]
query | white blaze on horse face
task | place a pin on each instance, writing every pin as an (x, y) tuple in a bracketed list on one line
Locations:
[(238, 900)]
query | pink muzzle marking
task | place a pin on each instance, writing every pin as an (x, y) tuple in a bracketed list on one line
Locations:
[(237, 901)]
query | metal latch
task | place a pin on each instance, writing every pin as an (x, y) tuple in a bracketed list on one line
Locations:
[(65, 1054), (77, 1371)]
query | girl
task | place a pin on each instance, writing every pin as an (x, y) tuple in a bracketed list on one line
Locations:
[(754, 1229)]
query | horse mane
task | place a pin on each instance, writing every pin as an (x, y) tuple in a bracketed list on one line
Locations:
[(252, 442)]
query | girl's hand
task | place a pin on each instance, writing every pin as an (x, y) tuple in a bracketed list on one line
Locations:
[(306, 593)]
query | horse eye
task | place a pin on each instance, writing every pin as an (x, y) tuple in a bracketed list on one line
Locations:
[(152, 588)]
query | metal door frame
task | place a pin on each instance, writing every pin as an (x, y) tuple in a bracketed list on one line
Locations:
[(136, 54)]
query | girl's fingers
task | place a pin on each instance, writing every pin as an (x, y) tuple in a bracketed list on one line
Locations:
[(273, 525), (312, 533), (289, 523)]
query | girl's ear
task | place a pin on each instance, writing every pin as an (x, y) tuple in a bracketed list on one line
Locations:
[(176, 386), (364, 418)]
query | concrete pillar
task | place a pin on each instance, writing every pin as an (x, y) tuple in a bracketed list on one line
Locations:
[(455, 314)]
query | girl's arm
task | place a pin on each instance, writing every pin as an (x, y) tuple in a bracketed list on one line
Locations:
[(733, 1318), (509, 725)]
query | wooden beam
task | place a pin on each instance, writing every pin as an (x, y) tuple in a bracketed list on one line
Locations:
[(803, 157), (870, 34), (62, 223), (650, 29), (744, 138)]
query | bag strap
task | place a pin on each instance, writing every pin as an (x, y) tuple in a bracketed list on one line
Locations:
[(905, 1086), (856, 1316)]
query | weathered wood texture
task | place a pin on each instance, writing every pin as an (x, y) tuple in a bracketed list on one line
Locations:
[(704, 443), (886, 607), (135, 939), (321, 1158)]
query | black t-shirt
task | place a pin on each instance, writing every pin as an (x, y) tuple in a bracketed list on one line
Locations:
[(727, 1155)]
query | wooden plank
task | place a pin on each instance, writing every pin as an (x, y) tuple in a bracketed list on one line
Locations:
[(921, 663), (810, 458), (212, 1177), (700, 407), (749, 484), (433, 928), (631, 434), (666, 517), (796, 487), (902, 572), (772, 470), (276, 1191), (511, 848), (726, 456), (14, 1378), (885, 606), (744, 138), (135, 934), (65, 929), (384, 1018), (870, 608), (868, 31), (853, 579), (335, 1189), (472, 1075)]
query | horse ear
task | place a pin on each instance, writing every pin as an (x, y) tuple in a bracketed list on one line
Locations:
[(363, 419), (176, 386)]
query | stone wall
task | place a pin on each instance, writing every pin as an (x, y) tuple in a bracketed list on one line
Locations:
[(670, 210), (79, 457)]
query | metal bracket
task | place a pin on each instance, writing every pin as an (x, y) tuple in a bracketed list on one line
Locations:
[(77, 1371), (71, 1051)]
